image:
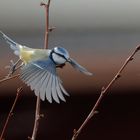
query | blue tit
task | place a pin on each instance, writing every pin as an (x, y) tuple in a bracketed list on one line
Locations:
[(39, 69)]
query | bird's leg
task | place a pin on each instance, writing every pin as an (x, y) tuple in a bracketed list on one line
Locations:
[(12, 67), (60, 66), (18, 67)]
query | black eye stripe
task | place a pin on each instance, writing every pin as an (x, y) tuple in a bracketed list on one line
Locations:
[(51, 57), (60, 55)]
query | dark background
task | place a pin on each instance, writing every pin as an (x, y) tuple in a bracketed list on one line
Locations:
[(118, 118)]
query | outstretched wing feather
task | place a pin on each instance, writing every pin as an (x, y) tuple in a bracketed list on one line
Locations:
[(13, 45), (38, 85), (54, 93), (58, 89), (79, 67), (42, 89), (48, 90), (42, 78)]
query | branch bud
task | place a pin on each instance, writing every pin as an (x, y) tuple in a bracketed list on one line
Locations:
[(138, 48), (103, 88), (19, 89), (29, 138), (43, 4), (51, 29), (117, 76), (131, 58), (41, 115), (74, 131), (96, 112)]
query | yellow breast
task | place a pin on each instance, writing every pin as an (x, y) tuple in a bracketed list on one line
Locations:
[(28, 54)]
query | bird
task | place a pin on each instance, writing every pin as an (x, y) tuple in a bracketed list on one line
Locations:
[(39, 69)]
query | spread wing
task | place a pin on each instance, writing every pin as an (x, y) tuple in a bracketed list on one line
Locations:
[(79, 67), (13, 45), (41, 76)]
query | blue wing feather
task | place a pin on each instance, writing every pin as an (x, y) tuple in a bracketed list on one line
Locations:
[(42, 78)]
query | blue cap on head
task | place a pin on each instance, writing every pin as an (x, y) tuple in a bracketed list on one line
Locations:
[(62, 52)]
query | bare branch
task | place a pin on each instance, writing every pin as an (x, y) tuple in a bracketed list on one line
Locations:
[(37, 114), (51, 29), (19, 90), (47, 23), (49, 1), (37, 118), (103, 92), (9, 78), (12, 69)]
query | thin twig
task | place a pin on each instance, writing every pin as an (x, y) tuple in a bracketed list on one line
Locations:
[(37, 118), (103, 92), (37, 114), (13, 68), (19, 90), (47, 23), (9, 78)]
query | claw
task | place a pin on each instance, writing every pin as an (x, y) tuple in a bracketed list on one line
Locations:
[(12, 67)]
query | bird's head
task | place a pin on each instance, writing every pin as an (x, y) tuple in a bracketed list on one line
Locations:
[(59, 55)]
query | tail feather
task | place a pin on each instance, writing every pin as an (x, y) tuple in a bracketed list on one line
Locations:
[(13, 45)]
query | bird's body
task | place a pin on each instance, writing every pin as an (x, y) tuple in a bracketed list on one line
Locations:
[(29, 54), (39, 69)]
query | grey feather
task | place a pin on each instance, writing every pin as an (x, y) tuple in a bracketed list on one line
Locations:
[(39, 84), (37, 89), (63, 90), (28, 74), (59, 92), (79, 67), (42, 78), (54, 93), (43, 87), (13, 45), (25, 72), (29, 71), (35, 81), (48, 90), (32, 77)]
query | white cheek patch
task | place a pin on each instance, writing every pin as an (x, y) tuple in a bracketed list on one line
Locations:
[(58, 59)]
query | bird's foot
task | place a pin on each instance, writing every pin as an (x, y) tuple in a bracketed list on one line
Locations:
[(12, 67), (60, 66)]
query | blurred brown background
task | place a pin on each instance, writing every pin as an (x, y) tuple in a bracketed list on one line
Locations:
[(100, 36)]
